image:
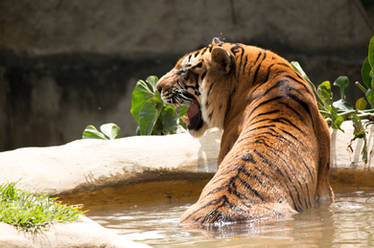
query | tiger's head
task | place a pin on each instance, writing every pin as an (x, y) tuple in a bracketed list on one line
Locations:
[(201, 80)]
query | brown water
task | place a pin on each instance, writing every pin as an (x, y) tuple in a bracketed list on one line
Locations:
[(349, 222)]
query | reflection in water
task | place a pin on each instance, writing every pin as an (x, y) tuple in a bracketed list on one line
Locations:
[(349, 222)]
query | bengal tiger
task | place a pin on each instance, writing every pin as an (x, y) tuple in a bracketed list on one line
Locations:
[(275, 148)]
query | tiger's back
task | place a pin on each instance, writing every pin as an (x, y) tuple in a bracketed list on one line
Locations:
[(274, 156)]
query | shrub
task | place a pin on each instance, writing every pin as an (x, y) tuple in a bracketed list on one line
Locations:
[(32, 213), (152, 115), (335, 112)]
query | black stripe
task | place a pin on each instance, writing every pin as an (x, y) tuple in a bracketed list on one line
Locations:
[(204, 50), (257, 86), (217, 189), (262, 127), (270, 182), (245, 63), (281, 173), (198, 65), (246, 173), (293, 110), (267, 74), (203, 75), (276, 134), (284, 64), (300, 82), (257, 69), (229, 102), (212, 202), (255, 192), (269, 70), (283, 120), (302, 103), (210, 88), (210, 115), (195, 78), (268, 162), (266, 113), (235, 49), (280, 120), (258, 56), (299, 76), (292, 136), (277, 153), (248, 158), (276, 85), (265, 102)]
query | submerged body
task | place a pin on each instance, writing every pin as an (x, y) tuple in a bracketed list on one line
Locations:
[(275, 148)]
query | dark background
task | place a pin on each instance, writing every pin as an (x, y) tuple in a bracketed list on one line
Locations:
[(67, 64)]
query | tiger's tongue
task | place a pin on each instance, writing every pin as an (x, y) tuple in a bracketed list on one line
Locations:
[(192, 111)]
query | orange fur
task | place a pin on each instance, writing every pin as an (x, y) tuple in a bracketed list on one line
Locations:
[(275, 148)]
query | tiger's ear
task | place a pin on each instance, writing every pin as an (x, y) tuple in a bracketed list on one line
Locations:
[(222, 59)]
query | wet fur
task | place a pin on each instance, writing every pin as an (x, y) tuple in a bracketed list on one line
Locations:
[(275, 148)]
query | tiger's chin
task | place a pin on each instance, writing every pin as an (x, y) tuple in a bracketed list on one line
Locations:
[(198, 133)]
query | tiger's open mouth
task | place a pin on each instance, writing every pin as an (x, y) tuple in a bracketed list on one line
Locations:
[(193, 120)]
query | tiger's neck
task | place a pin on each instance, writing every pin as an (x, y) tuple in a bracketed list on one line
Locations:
[(254, 67)]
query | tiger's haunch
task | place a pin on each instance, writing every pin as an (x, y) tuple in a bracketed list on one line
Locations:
[(275, 149)]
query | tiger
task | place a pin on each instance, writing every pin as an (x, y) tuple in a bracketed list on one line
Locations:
[(274, 154)]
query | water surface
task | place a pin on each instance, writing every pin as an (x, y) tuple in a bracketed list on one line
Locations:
[(348, 222)]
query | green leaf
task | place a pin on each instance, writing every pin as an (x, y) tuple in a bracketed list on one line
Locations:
[(371, 52), (342, 82), (182, 110), (90, 132), (358, 131), (140, 95), (365, 70), (111, 130), (148, 116), (297, 67), (152, 81), (337, 122), (370, 97), (169, 119), (361, 104), (324, 91), (342, 106)]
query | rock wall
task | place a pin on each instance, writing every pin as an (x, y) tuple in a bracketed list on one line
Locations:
[(66, 64)]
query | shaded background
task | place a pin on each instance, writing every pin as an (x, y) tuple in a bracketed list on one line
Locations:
[(67, 64)]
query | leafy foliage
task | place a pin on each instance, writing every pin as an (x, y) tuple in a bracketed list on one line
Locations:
[(108, 131), (335, 112), (152, 115), (33, 213)]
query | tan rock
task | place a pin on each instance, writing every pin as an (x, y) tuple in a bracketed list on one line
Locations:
[(85, 233)]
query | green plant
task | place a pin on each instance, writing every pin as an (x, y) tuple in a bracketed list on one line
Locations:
[(152, 115), (335, 112), (33, 213), (108, 131)]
